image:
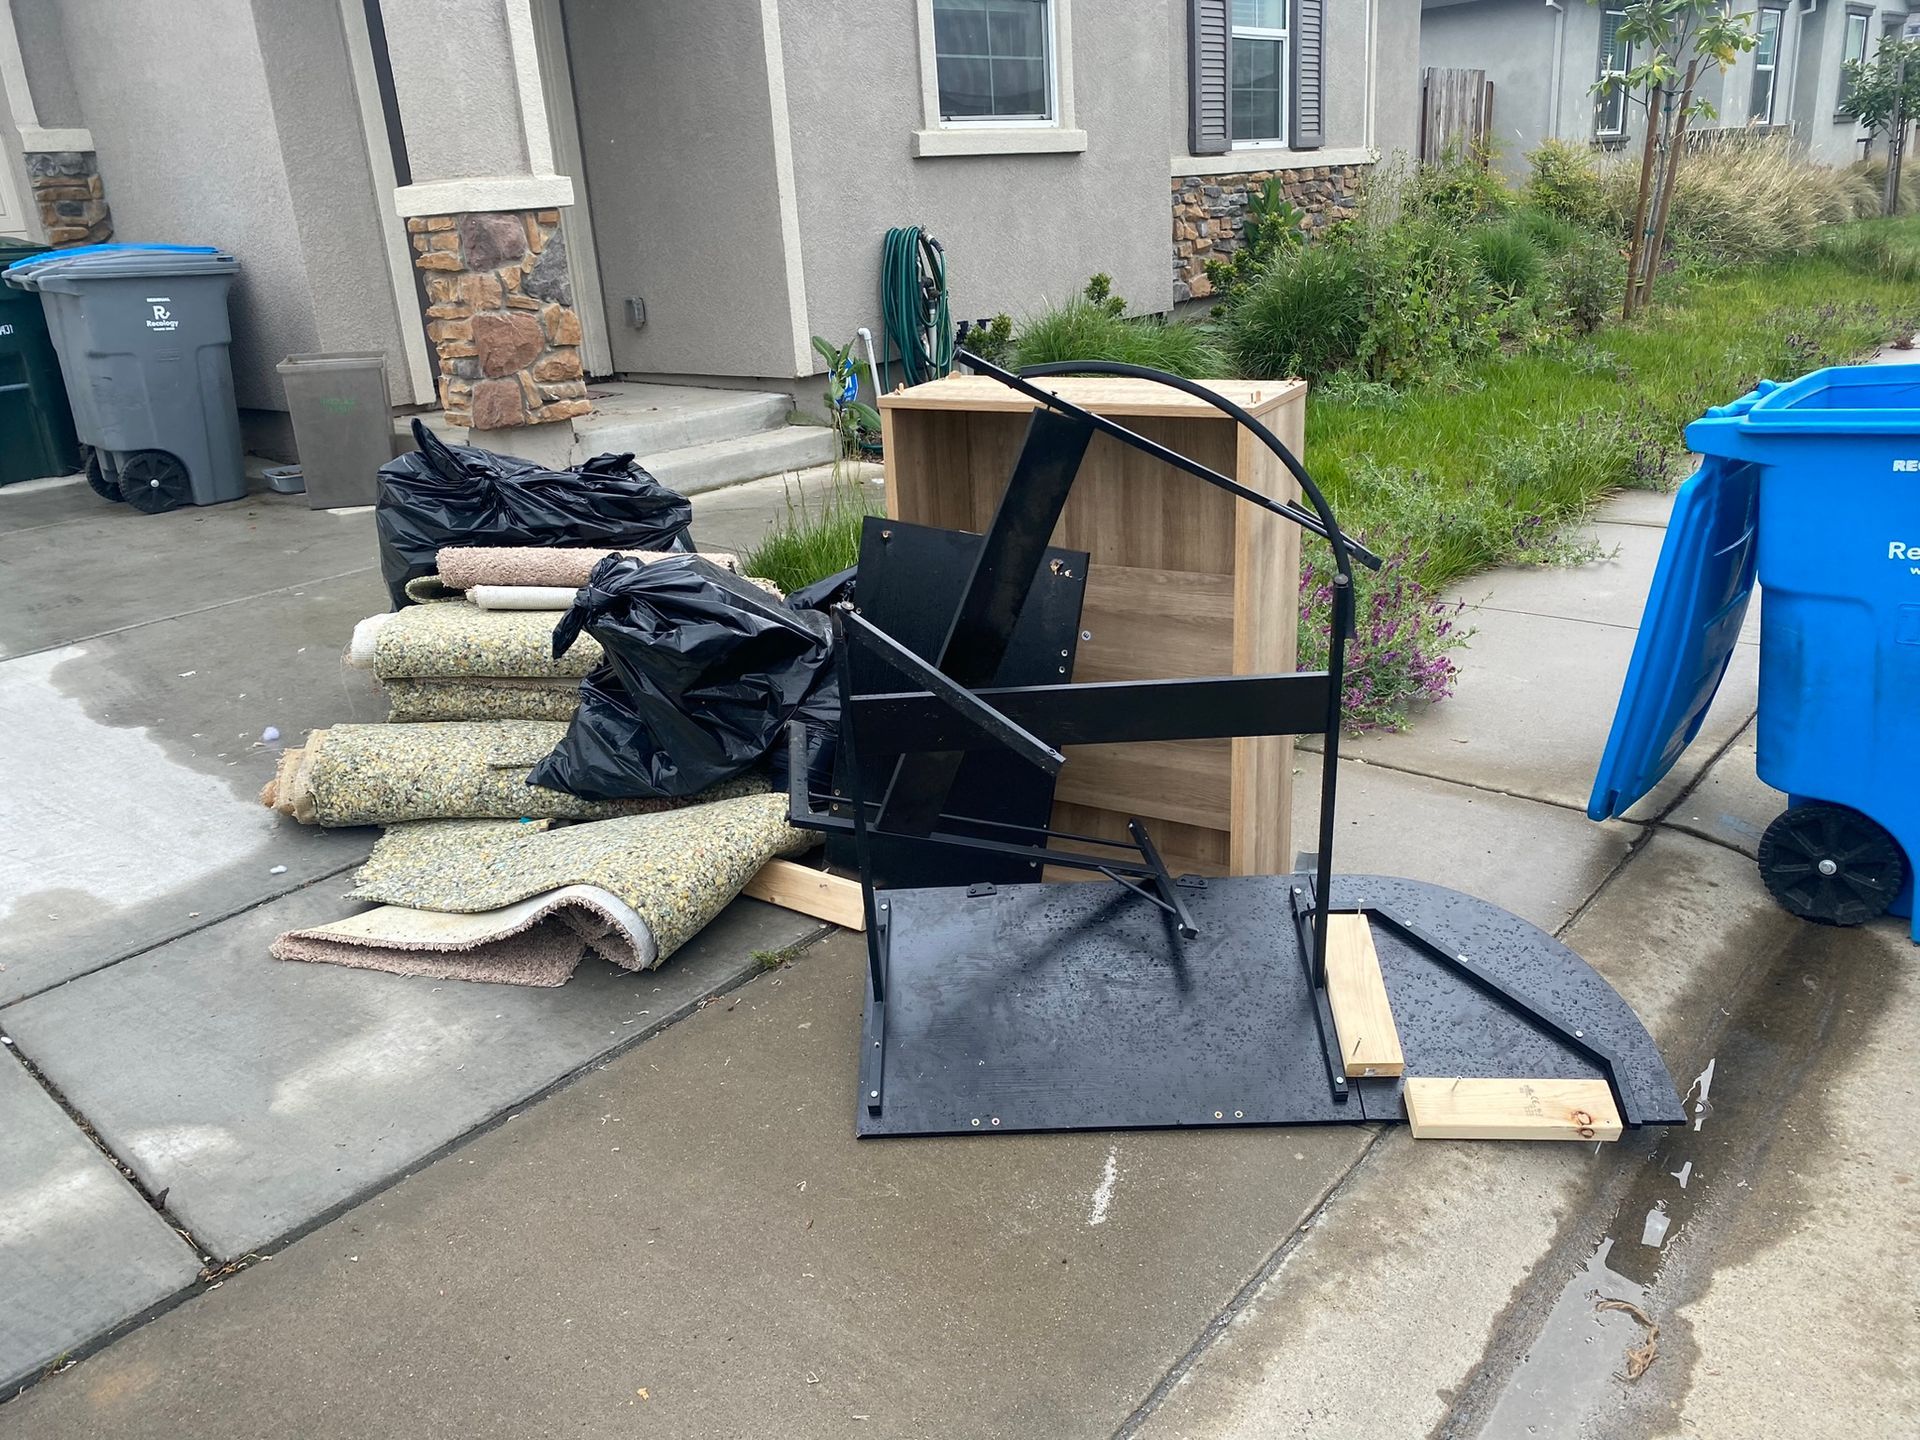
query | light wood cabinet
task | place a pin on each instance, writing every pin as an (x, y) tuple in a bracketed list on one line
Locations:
[(1185, 580)]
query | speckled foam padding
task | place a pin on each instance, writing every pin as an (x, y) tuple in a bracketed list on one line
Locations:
[(464, 642), (389, 774), (536, 941), (676, 869), (509, 699), (461, 567)]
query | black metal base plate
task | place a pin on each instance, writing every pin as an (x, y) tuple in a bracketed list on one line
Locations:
[(1076, 1006)]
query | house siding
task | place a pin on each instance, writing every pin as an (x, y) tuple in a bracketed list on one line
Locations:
[(676, 131), (189, 124), (1512, 40), (1020, 231)]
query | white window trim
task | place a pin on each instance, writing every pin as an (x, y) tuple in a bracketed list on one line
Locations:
[(1599, 132), (1865, 17), (1779, 43), (1264, 32), (989, 135)]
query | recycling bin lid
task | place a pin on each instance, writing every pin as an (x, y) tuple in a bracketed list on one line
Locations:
[(1694, 612), (1838, 401), (98, 261)]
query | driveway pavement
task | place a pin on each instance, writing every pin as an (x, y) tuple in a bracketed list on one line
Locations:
[(685, 1236)]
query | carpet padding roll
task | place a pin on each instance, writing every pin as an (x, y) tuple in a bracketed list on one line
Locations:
[(464, 642), (389, 774)]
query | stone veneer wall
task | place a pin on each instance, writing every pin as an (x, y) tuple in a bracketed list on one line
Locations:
[(1209, 212), (500, 312), (66, 187)]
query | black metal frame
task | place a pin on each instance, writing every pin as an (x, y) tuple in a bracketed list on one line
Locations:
[(924, 732)]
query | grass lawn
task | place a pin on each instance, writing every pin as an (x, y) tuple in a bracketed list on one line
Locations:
[(1489, 467)]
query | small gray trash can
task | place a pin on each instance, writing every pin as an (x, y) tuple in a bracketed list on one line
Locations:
[(143, 336), (342, 423)]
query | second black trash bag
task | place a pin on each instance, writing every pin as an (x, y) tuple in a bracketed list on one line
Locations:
[(703, 671), (445, 494)]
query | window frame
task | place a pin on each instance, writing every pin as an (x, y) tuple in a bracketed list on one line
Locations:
[(1617, 96), (1284, 35), (1049, 39), (1864, 18), (1772, 69), (992, 134)]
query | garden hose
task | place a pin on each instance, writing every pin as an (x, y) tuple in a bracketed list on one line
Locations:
[(914, 306)]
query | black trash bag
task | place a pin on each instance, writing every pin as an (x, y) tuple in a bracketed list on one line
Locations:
[(825, 594), (703, 670), (459, 495)]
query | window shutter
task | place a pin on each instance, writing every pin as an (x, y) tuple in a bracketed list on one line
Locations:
[(1309, 128), (1209, 107)]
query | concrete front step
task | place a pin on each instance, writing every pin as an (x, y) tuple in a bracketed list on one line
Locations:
[(696, 468), (650, 419)]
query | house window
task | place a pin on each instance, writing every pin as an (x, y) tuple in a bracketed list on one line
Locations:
[(995, 60), (1766, 64), (1616, 58), (1260, 72), (1855, 49)]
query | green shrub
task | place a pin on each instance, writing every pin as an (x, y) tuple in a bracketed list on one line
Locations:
[(1270, 229), (1455, 190), (1084, 329), (1587, 284), (1550, 234), (1871, 174), (1509, 259), (1432, 306), (1744, 203), (1565, 183), (1306, 316)]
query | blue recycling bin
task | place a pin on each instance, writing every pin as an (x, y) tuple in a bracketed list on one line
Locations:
[(1812, 489)]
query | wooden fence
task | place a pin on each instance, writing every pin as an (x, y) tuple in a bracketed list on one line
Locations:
[(1456, 113)]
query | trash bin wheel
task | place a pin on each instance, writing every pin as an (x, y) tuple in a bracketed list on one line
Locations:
[(1831, 865), (104, 482), (153, 481)]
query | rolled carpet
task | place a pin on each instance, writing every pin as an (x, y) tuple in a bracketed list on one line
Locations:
[(411, 701), (461, 567), (389, 774), (536, 941), (464, 642), (676, 868)]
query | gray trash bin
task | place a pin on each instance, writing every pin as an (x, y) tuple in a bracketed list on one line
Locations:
[(143, 336), (342, 422)]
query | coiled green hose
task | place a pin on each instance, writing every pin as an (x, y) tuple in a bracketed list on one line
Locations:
[(914, 308)]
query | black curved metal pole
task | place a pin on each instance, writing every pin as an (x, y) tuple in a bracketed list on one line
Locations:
[(1344, 551)]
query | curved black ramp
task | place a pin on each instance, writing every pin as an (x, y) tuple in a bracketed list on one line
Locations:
[(1078, 1006), (1451, 1026)]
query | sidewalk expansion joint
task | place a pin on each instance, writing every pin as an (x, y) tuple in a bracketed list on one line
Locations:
[(210, 1268), (206, 924), (184, 614), (1246, 1294)]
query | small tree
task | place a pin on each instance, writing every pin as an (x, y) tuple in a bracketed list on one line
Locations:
[(1674, 41), (1883, 94)]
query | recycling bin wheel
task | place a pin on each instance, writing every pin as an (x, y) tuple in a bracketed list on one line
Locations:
[(105, 483), (153, 481), (1831, 864)]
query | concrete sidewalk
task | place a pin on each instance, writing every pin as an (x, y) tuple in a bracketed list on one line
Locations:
[(151, 669), (688, 1238)]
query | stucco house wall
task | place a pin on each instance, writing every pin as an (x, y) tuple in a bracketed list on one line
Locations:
[(1020, 230), (1514, 42)]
